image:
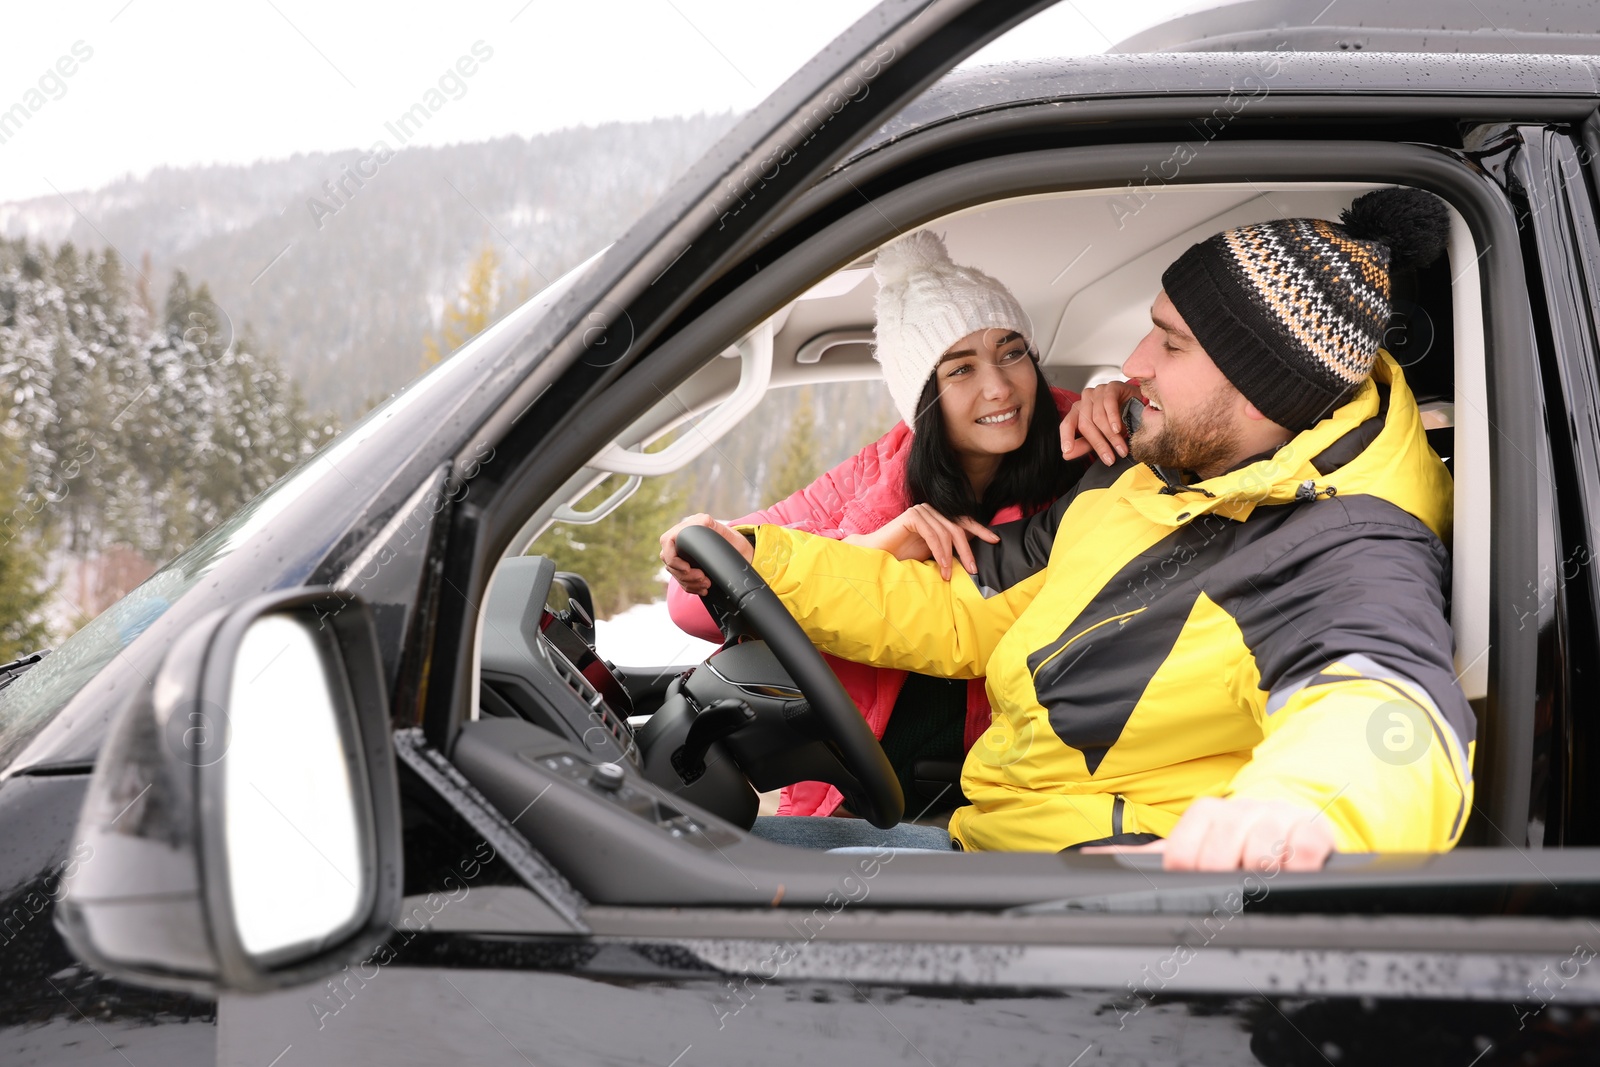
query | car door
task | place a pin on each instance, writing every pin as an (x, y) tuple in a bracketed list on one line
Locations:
[(1123, 978), (1477, 956)]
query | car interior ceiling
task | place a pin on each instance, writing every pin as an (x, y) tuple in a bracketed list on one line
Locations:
[(1086, 264)]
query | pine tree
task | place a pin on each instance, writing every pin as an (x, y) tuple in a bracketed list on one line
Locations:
[(167, 432), (76, 389), (261, 430), (125, 438), (470, 312), (223, 424), (123, 385), (30, 321), (158, 433), (22, 601), (798, 461)]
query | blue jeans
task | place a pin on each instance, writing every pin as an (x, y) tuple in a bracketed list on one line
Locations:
[(825, 832)]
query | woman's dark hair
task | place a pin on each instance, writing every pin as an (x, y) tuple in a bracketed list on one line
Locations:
[(1031, 476)]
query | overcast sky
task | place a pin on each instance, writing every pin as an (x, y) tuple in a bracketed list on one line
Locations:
[(184, 82)]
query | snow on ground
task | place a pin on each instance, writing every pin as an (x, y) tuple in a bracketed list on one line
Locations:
[(646, 636)]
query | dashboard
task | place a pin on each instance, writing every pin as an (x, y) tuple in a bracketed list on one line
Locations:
[(538, 671), (536, 667), (714, 738)]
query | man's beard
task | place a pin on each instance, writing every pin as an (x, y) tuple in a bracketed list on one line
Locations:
[(1200, 443)]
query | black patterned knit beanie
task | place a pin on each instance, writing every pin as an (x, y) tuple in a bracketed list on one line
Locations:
[(1293, 311)]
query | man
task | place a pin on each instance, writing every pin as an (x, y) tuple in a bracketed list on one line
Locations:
[(1232, 643)]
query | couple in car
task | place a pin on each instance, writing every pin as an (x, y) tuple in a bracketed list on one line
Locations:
[(1226, 642)]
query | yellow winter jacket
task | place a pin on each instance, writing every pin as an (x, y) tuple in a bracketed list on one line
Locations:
[(1274, 632)]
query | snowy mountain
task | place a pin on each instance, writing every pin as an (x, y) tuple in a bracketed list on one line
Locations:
[(342, 262)]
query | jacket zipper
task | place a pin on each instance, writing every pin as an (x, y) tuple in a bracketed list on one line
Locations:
[(1087, 630)]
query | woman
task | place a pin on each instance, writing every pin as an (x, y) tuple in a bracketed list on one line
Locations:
[(956, 351)]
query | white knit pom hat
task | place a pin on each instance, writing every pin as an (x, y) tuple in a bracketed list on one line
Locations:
[(926, 303)]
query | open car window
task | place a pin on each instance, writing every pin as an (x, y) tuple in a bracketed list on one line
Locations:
[(1085, 264)]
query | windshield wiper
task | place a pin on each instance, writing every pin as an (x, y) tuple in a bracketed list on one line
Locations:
[(10, 672)]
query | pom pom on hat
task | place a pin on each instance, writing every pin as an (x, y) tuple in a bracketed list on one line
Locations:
[(898, 260), (925, 304), (1414, 225)]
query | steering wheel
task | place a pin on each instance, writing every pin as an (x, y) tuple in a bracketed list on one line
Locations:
[(845, 730)]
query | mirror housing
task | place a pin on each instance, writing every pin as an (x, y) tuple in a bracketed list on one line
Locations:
[(580, 612), (244, 813)]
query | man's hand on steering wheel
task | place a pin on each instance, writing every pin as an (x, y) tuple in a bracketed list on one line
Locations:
[(686, 574), (754, 609)]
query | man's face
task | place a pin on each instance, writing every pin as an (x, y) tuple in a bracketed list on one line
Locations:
[(1195, 419)]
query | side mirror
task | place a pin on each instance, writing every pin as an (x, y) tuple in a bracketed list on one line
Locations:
[(579, 611), (244, 814)]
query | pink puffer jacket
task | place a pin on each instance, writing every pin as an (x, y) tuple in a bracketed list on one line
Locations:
[(858, 496)]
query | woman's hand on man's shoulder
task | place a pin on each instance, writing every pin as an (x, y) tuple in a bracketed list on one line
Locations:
[(1095, 422)]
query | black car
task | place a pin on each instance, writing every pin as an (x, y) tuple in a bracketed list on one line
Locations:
[(348, 782)]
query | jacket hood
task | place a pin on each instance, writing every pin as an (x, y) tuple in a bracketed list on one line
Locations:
[(1373, 445)]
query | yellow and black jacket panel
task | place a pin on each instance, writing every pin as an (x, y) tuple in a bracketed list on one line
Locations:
[(1278, 631)]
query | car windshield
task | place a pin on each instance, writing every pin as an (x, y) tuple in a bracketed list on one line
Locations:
[(30, 701), (35, 697)]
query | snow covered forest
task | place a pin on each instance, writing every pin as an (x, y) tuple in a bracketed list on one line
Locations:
[(132, 427), (173, 344)]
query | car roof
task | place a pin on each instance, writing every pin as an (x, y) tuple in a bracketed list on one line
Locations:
[(1066, 79), (1563, 27)]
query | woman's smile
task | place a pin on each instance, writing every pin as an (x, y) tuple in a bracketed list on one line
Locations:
[(999, 417)]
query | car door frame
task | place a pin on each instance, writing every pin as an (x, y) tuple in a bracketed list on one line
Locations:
[(1563, 237), (787, 267)]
